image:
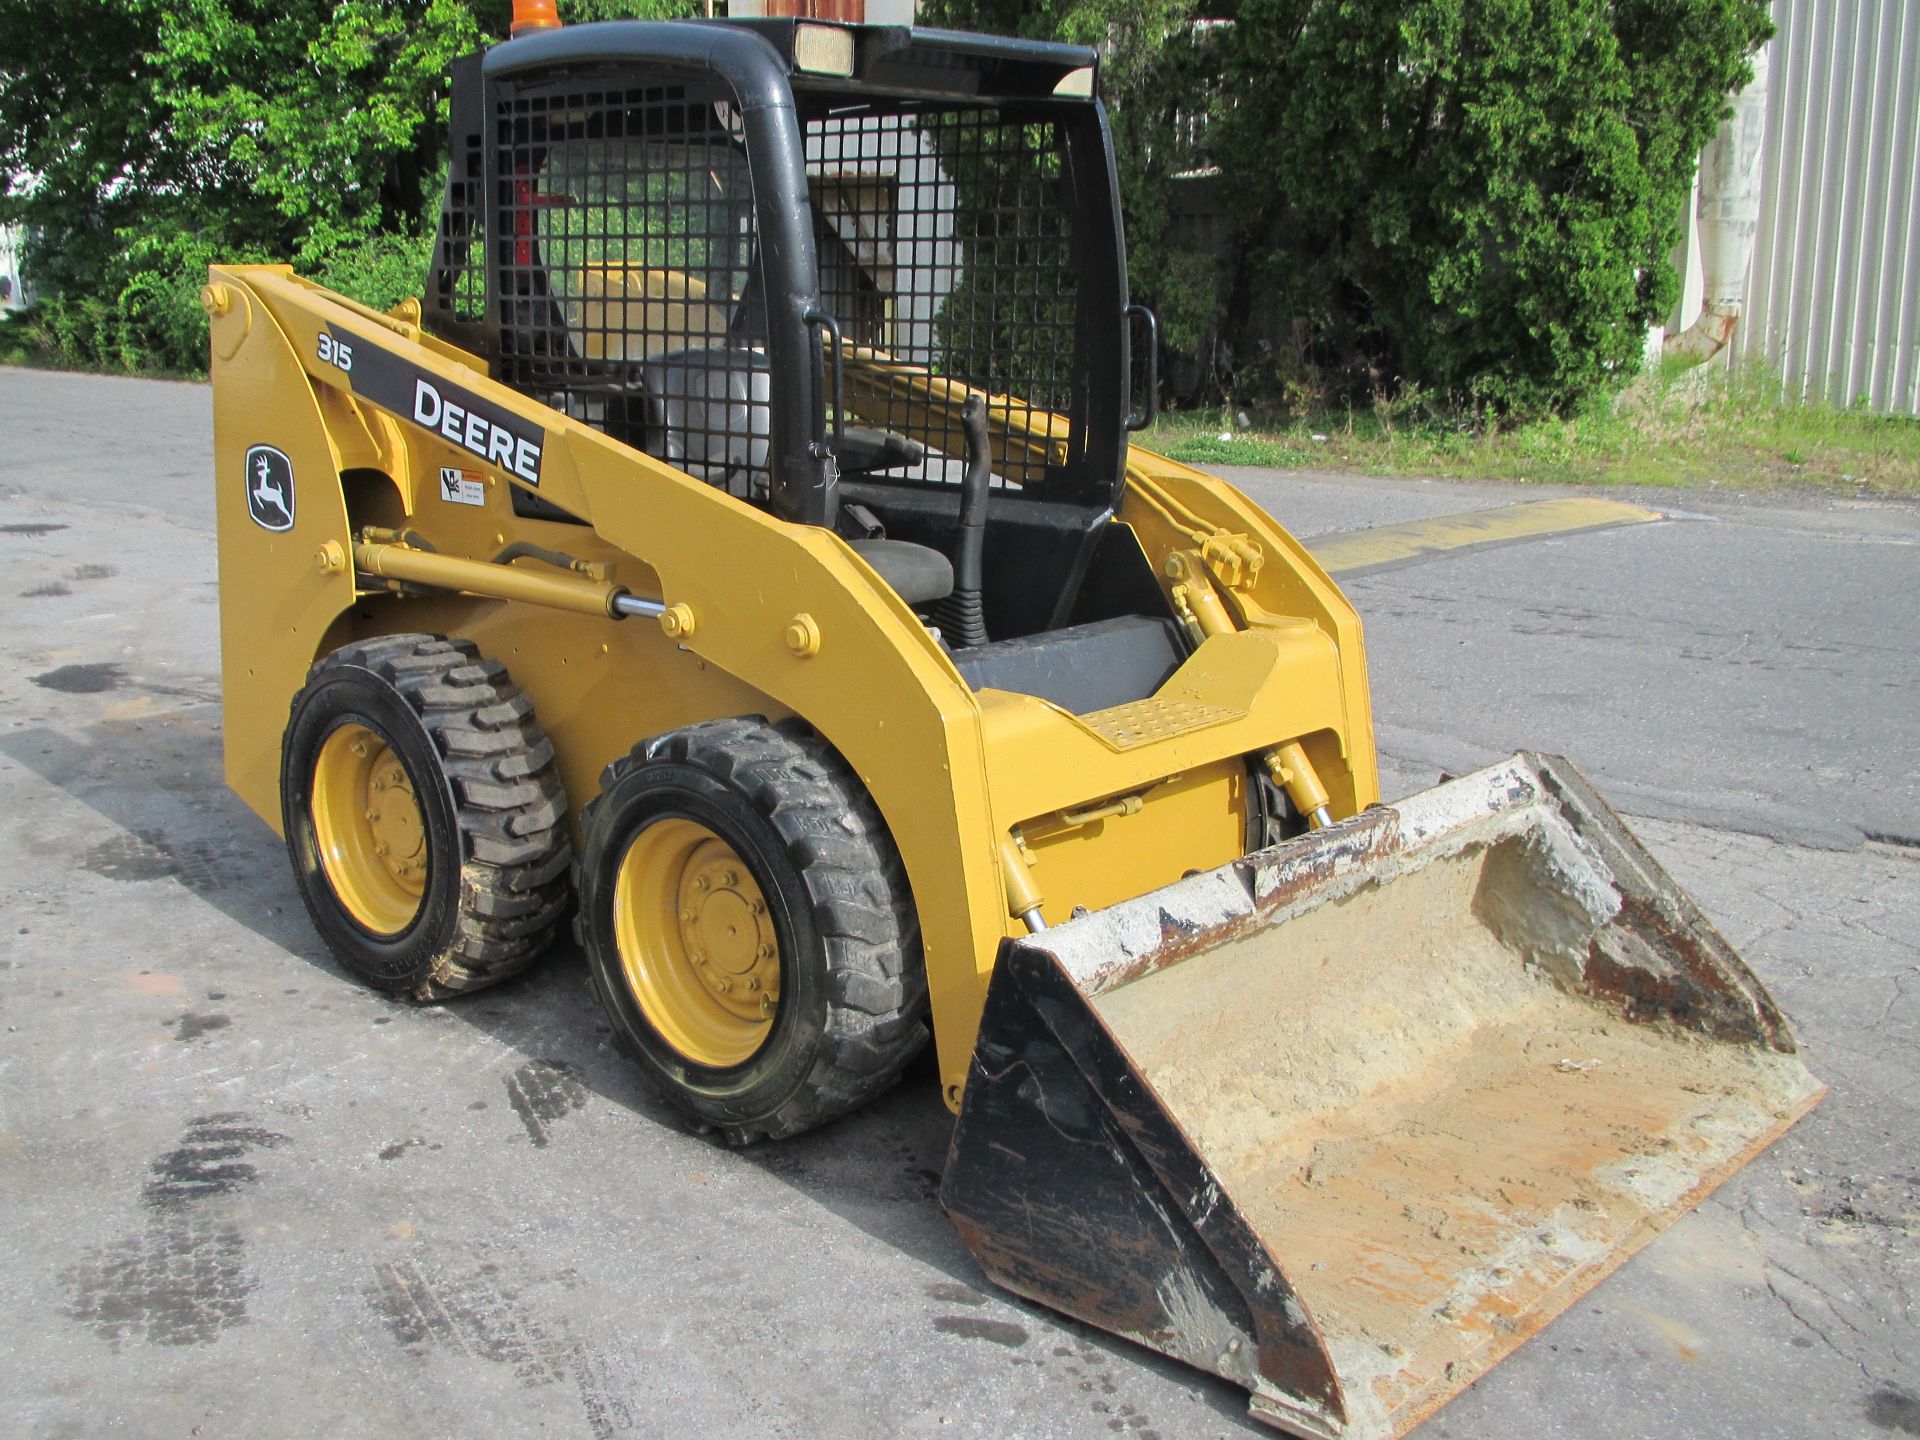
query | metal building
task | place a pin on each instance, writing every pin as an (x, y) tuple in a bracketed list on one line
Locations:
[(1832, 293)]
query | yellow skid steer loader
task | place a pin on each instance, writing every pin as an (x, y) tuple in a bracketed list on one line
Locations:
[(738, 549)]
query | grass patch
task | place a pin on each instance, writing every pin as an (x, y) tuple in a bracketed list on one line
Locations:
[(1706, 431)]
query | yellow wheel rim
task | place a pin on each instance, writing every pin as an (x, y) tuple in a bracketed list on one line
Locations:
[(371, 834), (696, 942)]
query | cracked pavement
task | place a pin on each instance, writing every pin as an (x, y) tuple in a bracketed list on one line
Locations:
[(240, 1196)]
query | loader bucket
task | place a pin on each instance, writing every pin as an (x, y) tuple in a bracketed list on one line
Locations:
[(1348, 1120)]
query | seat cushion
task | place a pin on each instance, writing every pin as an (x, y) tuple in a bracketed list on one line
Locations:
[(918, 574)]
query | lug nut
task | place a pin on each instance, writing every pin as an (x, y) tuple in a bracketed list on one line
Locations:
[(758, 907), (689, 915), (700, 882), (722, 984), (766, 952), (753, 982)]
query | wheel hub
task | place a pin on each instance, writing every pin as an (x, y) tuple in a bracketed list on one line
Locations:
[(370, 831), (393, 814), (697, 944), (726, 932)]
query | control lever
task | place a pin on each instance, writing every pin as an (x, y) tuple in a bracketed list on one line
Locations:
[(959, 616)]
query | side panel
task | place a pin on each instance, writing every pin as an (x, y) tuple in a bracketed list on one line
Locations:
[(949, 770), (276, 601), (597, 686), (1194, 820), (877, 687)]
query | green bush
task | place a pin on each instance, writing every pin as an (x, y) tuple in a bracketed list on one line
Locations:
[(1475, 196), (379, 271), (142, 315), (1474, 199), (139, 141), (1471, 199), (146, 316)]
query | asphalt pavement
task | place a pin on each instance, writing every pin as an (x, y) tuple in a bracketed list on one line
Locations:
[(241, 1196), (1750, 663)]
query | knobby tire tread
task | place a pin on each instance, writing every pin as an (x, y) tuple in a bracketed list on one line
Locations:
[(509, 804), (861, 904)]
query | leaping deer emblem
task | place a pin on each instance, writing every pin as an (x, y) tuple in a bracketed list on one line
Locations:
[(269, 489)]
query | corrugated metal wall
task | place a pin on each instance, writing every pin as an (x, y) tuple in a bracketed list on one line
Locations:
[(1834, 294)]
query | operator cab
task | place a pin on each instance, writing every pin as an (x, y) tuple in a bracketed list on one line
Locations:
[(784, 255)]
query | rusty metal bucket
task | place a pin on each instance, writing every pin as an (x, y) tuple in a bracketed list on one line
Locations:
[(1349, 1120)]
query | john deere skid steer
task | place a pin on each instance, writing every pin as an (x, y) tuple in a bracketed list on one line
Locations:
[(737, 552)]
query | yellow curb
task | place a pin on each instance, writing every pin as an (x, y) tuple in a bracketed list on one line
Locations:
[(1391, 544)]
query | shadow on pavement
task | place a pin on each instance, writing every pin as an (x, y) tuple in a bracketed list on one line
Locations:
[(159, 780)]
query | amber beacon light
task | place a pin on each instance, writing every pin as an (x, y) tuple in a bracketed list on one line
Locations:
[(531, 15)]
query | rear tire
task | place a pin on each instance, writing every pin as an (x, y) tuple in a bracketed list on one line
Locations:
[(710, 847), (424, 816)]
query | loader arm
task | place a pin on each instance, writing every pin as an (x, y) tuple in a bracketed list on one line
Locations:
[(883, 389), (877, 686)]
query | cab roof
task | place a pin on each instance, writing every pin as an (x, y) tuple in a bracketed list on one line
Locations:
[(757, 54)]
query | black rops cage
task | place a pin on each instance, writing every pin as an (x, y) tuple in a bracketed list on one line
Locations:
[(666, 240), (627, 275)]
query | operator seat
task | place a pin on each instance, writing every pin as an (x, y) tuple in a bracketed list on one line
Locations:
[(919, 574)]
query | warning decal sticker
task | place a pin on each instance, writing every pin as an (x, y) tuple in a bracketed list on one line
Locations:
[(462, 487)]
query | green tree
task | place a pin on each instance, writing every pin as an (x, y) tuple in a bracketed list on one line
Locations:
[(145, 138), (1479, 198), (1150, 73), (1471, 198)]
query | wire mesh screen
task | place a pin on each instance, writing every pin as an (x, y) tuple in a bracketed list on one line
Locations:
[(624, 262), (626, 277), (945, 248), (458, 276)]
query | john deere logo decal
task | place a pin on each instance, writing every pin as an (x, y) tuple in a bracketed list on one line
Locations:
[(269, 488), (489, 432)]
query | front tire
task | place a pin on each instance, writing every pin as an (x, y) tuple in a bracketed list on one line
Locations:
[(749, 928), (424, 816)]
